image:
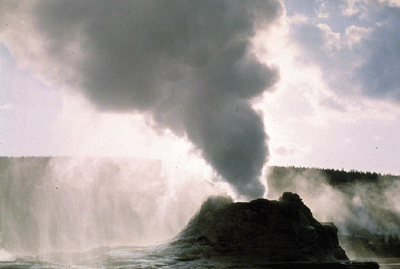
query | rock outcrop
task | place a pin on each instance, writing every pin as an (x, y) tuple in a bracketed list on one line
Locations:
[(275, 232)]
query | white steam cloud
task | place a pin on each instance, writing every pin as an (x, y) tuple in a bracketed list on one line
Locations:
[(76, 204), (371, 204), (187, 64)]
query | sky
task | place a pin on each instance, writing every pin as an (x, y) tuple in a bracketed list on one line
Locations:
[(235, 86)]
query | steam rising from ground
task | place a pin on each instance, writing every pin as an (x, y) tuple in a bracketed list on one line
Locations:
[(75, 204), (189, 65), (373, 206), (365, 209)]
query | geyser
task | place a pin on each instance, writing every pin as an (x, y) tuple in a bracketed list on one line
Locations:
[(283, 230), (63, 204), (51, 207), (276, 234), (189, 65)]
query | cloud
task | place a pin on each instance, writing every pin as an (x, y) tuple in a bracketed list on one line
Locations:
[(323, 12), (352, 36), (379, 76), (355, 35), (359, 56), (358, 204), (331, 39), (392, 3), (7, 106), (354, 7), (188, 64), (292, 149), (298, 19)]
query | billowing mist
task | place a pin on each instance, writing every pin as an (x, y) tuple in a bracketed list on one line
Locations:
[(188, 65), (75, 204), (360, 204)]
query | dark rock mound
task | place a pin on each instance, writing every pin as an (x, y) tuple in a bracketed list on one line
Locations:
[(277, 232)]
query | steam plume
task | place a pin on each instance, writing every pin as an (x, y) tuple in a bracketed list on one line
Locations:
[(188, 64)]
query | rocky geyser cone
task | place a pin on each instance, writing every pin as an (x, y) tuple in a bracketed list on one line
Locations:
[(277, 231)]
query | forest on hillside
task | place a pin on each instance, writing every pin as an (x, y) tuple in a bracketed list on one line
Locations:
[(335, 177)]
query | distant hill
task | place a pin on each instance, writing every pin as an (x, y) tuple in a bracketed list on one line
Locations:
[(333, 176)]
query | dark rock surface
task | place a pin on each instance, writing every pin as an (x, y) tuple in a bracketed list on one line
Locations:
[(282, 234)]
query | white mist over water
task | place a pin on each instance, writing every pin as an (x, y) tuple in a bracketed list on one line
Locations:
[(359, 205), (75, 204)]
